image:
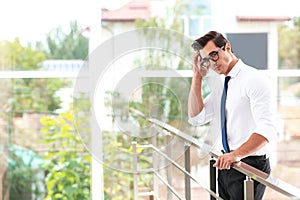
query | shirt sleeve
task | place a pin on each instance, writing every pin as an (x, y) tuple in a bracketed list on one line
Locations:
[(262, 107), (205, 115), (211, 102)]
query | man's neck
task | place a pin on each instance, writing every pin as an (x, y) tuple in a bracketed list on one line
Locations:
[(232, 64)]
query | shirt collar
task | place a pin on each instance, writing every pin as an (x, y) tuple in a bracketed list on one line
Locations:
[(236, 69)]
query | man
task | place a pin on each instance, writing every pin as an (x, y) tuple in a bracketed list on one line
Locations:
[(249, 117)]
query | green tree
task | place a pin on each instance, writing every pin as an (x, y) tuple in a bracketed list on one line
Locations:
[(25, 175), (67, 162), (67, 46), (27, 94), (289, 50), (297, 42), (13, 56), (173, 102), (117, 157), (288, 47)]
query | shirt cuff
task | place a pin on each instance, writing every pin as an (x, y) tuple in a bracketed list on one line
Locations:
[(199, 119), (269, 132)]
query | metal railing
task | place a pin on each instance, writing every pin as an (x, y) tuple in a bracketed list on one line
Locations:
[(250, 172)]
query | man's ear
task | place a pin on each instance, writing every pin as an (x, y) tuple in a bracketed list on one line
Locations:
[(228, 47)]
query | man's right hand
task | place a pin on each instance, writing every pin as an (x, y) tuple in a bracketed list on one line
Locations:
[(197, 69)]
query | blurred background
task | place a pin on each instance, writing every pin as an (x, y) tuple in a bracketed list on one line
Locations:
[(45, 45)]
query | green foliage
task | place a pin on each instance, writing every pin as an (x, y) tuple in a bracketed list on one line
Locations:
[(297, 42), (67, 161), (118, 166), (289, 47), (172, 20), (117, 180), (289, 50), (13, 56), (67, 46), (36, 95), (24, 174), (26, 94), (171, 98)]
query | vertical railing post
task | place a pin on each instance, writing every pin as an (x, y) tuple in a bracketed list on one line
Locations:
[(187, 164), (169, 165), (248, 189), (213, 177), (135, 171), (155, 165)]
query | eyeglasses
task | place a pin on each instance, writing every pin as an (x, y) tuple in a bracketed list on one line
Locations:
[(213, 56)]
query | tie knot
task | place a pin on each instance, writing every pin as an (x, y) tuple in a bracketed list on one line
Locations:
[(227, 78)]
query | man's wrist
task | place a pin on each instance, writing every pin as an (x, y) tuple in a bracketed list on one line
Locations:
[(237, 155), (198, 76)]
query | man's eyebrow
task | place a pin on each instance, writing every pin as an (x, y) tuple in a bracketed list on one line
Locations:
[(211, 52)]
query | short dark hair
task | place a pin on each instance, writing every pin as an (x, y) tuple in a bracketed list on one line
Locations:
[(218, 39)]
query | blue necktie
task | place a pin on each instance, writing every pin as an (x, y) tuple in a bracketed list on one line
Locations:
[(223, 117)]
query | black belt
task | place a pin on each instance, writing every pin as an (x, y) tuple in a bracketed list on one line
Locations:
[(263, 157)]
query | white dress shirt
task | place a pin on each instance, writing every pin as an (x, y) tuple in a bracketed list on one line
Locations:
[(249, 107)]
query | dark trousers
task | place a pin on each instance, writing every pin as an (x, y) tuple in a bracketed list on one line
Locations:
[(231, 182)]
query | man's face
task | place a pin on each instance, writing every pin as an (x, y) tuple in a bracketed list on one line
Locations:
[(216, 58)]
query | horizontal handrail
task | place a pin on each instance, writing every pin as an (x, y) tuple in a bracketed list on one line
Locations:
[(167, 184), (177, 132), (180, 168), (266, 179)]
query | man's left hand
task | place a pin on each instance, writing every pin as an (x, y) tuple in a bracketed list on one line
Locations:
[(225, 161)]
